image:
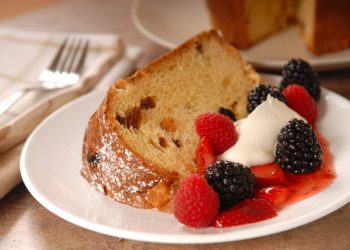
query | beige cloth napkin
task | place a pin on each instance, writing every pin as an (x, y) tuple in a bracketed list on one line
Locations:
[(23, 55)]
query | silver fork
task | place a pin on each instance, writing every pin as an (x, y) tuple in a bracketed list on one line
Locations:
[(64, 71)]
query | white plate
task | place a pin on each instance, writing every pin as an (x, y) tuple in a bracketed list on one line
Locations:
[(51, 160), (169, 23)]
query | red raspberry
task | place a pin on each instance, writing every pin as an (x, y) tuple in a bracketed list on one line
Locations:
[(219, 129), (301, 102), (247, 211), (196, 203)]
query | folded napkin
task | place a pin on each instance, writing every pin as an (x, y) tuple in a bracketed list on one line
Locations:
[(23, 54)]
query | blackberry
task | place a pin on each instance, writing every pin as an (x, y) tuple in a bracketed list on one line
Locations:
[(297, 71), (228, 113), (259, 94), (232, 181), (298, 150)]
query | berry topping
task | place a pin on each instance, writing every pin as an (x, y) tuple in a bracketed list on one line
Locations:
[(259, 95), (196, 204), (228, 113), (301, 102), (247, 211), (204, 155), (298, 150), (219, 129), (297, 71), (232, 181), (277, 195), (269, 174)]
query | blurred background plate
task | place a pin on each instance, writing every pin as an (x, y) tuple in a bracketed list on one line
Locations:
[(169, 23)]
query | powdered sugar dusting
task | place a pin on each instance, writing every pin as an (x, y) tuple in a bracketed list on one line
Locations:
[(119, 172)]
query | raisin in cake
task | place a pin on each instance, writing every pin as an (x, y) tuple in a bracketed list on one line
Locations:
[(324, 24), (141, 141)]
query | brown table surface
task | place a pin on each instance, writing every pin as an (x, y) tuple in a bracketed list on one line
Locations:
[(25, 224)]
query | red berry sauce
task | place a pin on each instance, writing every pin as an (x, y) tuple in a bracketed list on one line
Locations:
[(303, 186)]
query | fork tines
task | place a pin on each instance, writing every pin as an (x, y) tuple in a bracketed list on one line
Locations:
[(70, 56), (68, 62)]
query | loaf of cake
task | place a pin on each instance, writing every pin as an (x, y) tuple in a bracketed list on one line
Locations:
[(324, 25), (246, 22), (141, 141)]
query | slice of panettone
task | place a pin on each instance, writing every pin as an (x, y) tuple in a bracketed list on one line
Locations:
[(141, 141)]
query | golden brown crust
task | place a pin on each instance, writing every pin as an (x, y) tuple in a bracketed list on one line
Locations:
[(112, 167), (154, 65), (177, 52), (231, 18), (332, 26), (221, 14)]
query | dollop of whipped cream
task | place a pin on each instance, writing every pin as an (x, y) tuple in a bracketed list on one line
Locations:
[(257, 133)]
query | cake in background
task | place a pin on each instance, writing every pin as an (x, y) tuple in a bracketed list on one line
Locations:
[(324, 25)]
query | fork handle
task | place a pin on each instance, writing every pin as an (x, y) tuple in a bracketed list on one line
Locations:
[(11, 100)]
